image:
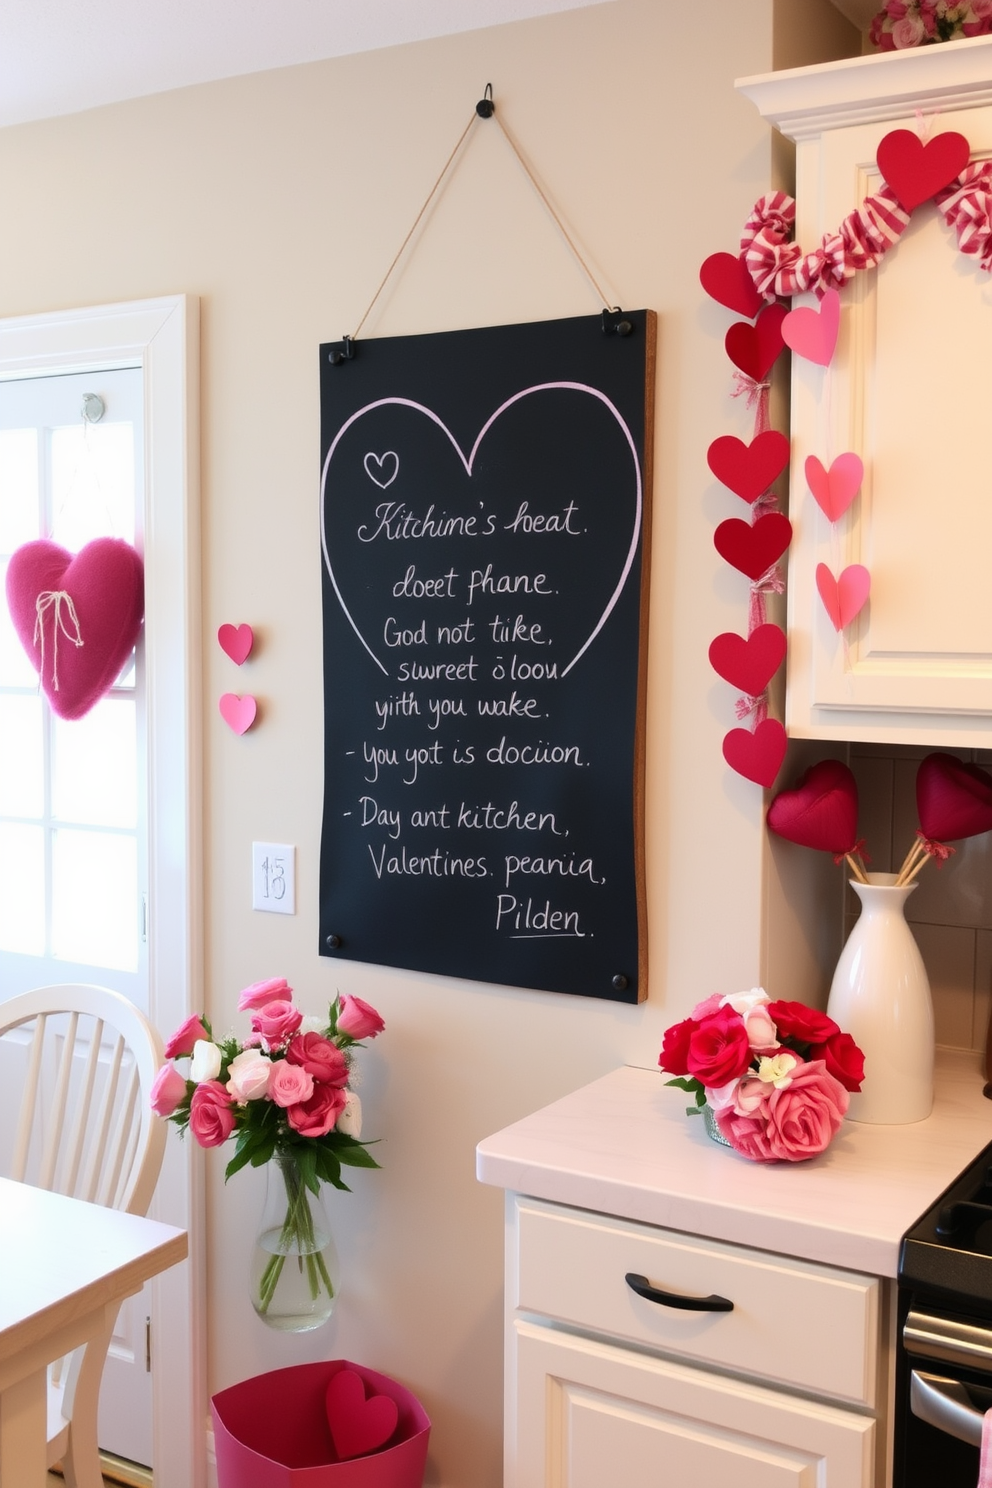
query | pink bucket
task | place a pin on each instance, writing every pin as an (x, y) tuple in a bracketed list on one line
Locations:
[(271, 1432)]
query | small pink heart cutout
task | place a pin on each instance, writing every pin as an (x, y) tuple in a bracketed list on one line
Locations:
[(834, 489), (358, 1426), (812, 333), (843, 598), (238, 712), (236, 642)]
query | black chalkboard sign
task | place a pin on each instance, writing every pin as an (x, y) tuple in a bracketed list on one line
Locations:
[(484, 502)]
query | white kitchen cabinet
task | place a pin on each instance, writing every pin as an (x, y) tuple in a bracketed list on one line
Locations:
[(607, 1386), (909, 390)]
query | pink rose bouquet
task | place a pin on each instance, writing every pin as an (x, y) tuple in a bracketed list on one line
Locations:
[(775, 1076), (282, 1092), (902, 24)]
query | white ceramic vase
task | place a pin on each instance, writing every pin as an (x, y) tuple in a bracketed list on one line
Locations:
[(880, 995)]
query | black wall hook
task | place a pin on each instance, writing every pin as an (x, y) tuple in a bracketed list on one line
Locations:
[(615, 323), (485, 108), (343, 352)]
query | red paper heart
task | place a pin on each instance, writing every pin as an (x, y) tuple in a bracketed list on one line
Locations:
[(835, 489), (917, 171), (843, 598), (811, 332), (358, 1426), (752, 663), (754, 349), (103, 586), (822, 811), (954, 799), (757, 756), (238, 712), (726, 280), (236, 642), (753, 548), (748, 469)]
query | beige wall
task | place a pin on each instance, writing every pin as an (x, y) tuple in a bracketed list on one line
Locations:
[(280, 199)]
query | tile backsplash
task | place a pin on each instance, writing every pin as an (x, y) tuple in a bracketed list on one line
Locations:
[(951, 909)]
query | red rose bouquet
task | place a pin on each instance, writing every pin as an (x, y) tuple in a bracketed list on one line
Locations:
[(284, 1093), (775, 1076)]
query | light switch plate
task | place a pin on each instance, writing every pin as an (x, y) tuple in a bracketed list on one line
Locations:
[(273, 877)]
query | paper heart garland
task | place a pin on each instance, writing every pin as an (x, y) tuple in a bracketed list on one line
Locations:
[(358, 1426), (757, 756), (236, 642), (755, 349), (917, 171), (96, 596), (821, 812), (954, 799), (812, 333), (749, 663), (748, 469), (834, 489), (238, 712), (753, 548), (843, 598), (725, 279)]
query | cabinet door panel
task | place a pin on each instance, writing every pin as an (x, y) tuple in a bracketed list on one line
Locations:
[(590, 1413)]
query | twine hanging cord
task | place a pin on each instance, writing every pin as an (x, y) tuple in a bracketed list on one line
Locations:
[(484, 109), (58, 601)]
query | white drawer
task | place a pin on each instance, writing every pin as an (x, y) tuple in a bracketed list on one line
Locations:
[(805, 1325)]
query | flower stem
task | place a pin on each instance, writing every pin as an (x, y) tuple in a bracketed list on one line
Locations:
[(297, 1237)]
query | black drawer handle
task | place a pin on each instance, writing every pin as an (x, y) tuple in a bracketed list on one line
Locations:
[(643, 1288)]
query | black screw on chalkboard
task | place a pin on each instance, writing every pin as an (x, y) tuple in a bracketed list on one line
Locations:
[(485, 108), (342, 353), (620, 983), (615, 323), (333, 942)]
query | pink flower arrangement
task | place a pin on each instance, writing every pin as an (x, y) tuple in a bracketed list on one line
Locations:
[(775, 1075), (902, 24)]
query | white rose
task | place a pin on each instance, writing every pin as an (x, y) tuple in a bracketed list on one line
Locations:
[(205, 1064), (350, 1120), (777, 1070), (744, 1002), (248, 1076)]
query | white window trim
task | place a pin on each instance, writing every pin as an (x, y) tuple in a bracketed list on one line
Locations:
[(162, 336)]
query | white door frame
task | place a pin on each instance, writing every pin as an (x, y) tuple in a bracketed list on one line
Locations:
[(162, 337)]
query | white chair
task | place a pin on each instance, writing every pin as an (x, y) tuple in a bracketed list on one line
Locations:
[(82, 1060)]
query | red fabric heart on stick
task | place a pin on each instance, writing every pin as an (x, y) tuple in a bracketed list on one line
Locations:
[(753, 548), (752, 663), (358, 1426), (822, 811), (748, 469), (917, 171), (76, 617), (757, 756), (954, 799), (755, 349), (726, 280)]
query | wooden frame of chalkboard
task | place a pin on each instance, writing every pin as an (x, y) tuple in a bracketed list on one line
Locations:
[(485, 519)]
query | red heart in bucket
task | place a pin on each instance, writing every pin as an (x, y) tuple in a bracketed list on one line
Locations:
[(822, 811), (757, 756), (917, 171), (76, 617), (726, 280), (750, 663), (755, 349), (358, 1426), (753, 548), (748, 469), (954, 799)]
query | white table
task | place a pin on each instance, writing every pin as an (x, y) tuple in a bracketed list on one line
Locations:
[(64, 1267)]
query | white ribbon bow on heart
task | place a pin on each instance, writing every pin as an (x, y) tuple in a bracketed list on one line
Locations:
[(54, 599)]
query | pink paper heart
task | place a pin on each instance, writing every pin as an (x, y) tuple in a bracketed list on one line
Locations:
[(102, 590), (757, 756), (358, 1426), (835, 489), (812, 333), (726, 280), (843, 598), (917, 171), (236, 642), (238, 712)]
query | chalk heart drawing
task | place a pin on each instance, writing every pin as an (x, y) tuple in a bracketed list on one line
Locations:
[(546, 447), (383, 469)]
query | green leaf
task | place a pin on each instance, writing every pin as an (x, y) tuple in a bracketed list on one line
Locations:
[(357, 1157), (684, 1083)]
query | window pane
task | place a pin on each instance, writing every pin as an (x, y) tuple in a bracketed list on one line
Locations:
[(22, 758), (92, 483), (94, 899), (15, 669), (94, 778), (22, 889), (19, 516)]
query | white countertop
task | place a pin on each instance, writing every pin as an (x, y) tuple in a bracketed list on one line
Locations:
[(624, 1145)]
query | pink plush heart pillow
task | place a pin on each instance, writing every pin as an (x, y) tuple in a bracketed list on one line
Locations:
[(76, 617)]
